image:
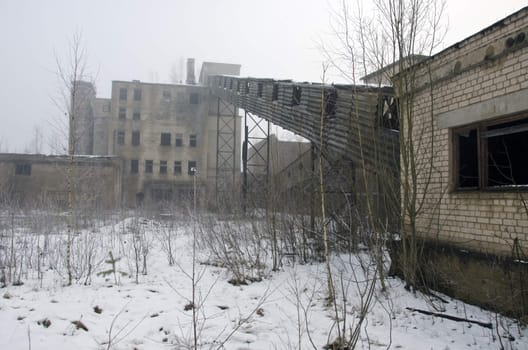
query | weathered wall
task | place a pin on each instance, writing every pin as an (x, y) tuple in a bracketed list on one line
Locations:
[(96, 181), (472, 81)]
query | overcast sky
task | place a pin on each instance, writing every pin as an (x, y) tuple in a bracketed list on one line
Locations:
[(147, 40)]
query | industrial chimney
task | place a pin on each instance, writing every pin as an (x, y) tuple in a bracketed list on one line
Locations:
[(190, 72)]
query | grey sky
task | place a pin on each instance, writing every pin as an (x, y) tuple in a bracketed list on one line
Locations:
[(143, 40)]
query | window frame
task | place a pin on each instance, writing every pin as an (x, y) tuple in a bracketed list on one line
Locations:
[(134, 166), (23, 169), (193, 140), (191, 164), (136, 138), (163, 167), (482, 155), (121, 114), (165, 139), (120, 137), (177, 169), (137, 94), (178, 140), (123, 94), (149, 166)]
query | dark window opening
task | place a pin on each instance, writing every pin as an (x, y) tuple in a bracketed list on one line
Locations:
[(177, 168), (230, 84), (193, 140), (178, 140), (507, 149), (238, 86), (149, 165), (275, 92), (246, 87), (330, 100), (191, 170), (137, 94), (23, 169), (468, 173), (120, 137), (163, 167), (134, 166), (388, 113), (135, 138), (296, 96), (492, 155), (260, 88), (122, 113), (165, 139), (194, 98), (225, 82), (123, 94), (136, 115)]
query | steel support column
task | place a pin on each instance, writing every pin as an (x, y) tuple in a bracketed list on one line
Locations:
[(226, 153), (256, 159)]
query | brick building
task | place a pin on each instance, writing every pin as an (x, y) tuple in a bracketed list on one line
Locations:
[(471, 124)]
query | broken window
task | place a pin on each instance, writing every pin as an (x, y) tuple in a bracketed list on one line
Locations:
[(137, 94), (135, 138), (177, 167), (492, 155), (330, 100), (275, 92), (165, 139), (134, 166), (120, 137), (23, 169), (191, 170), (178, 140), (123, 94), (149, 164), (122, 113), (192, 140), (163, 167), (296, 96)]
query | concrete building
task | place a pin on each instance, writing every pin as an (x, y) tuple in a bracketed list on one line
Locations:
[(471, 124), (161, 132), (40, 181)]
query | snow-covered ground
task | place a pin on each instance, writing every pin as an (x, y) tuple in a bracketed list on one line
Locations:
[(286, 310)]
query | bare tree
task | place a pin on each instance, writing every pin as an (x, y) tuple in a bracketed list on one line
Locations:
[(71, 75)]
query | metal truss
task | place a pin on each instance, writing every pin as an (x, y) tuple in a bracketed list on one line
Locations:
[(255, 158), (226, 152)]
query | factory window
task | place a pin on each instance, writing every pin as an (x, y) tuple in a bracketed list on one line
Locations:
[(134, 166), (122, 113), (23, 169), (177, 167), (136, 115), (163, 167), (123, 94), (275, 92), (137, 94), (191, 168), (166, 94), (149, 164), (238, 86), (135, 138), (330, 99), (247, 87), (120, 137), (194, 98), (165, 139), (296, 96), (491, 155), (178, 140), (192, 140)]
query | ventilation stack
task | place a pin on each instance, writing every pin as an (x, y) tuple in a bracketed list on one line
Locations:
[(190, 72)]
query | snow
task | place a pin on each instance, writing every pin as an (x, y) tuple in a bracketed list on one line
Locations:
[(286, 310)]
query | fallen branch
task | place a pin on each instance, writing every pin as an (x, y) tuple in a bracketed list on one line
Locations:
[(452, 318)]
